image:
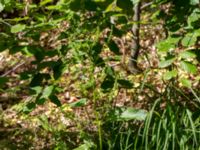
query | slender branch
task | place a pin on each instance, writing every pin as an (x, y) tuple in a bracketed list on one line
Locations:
[(146, 5), (13, 69)]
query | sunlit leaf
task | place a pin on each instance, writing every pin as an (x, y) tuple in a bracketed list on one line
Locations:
[(189, 39), (37, 89), (187, 54), (188, 67), (166, 63), (18, 28), (126, 114), (86, 146), (168, 44), (186, 82), (47, 91), (79, 103), (194, 2), (170, 74), (29, 107), (44, 2), (1, 7)]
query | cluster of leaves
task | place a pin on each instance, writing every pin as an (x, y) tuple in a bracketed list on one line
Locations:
[(64, 33), (181, 47)]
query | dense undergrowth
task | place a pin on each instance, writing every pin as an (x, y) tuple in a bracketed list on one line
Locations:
[(65, 83)]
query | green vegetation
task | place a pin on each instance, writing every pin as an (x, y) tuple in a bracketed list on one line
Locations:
[(100, 74)]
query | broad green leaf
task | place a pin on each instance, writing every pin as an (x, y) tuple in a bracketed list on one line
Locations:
[(108, 83), (125, 5), (40, 101), (170, 74), (3, 80), (186, 82), (18, 28), (187, 54), (37, 80), (44, 2), (104, 4), (126, 114), (167, 62), (90, 5), (169, 43), (86, 146), (188, 67), (134, 1), (96, 49), (37, 90), (110, 71), (194, 2), (47, 91), (125, 83), (114, 47), (76, 5), (54, 99), (29, 107), (58, 69), (189, 39), (79, 103), (1, 7), (194, 17)]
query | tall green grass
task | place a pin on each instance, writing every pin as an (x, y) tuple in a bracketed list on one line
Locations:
[(175, 126)]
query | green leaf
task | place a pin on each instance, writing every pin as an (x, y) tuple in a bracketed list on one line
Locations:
[(189, 39), (1, 7), (187, 54), (114, 47), (126, 114), (40, 101), (125, 5), (125, 83), (37, 80), (29, 107), (86, 146), (134, 1), (170, 74), (186, 82), (169, 43), (108, 83), (96, 49), (3, 80), (18, 28), (167, 62), (37, 90), (75, 5), (79, 103), (58, 69), (54, 99), (47, 91), (109, 71), (90, 5), (194, 2), (44, 2), (188, 67), (194, 17)]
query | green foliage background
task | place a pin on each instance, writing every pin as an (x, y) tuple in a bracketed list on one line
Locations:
[(72, 35)]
